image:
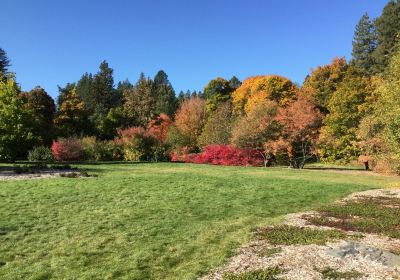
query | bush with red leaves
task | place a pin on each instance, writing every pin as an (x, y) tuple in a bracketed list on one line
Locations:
[(67, 149), (225, 155)]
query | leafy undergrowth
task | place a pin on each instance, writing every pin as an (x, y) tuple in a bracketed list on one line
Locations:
[(291, 235), (379, 215), (269, 273), (331, 273)]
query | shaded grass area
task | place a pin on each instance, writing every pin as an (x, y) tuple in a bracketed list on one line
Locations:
[(270, 273), (380, 215), (333, 274), (291, 235), (150, 221)]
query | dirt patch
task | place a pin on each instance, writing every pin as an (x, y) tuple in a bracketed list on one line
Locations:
[(359, 256)]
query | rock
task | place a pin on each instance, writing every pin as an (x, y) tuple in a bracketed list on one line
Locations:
[(355, 250)]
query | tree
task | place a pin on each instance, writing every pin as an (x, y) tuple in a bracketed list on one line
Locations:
[(16, 137), (380, 132), (257, 89), (190, 119), (84, 88), (234, 83), (4, 64), (300, 122), (218, 91), (166, 101), (104, 96), (323, 82), (347, 106), (364, 44), (218, 129), (387, 30), (159, 127), (72, 116), (257, 127), (140, 102), (42, 109)]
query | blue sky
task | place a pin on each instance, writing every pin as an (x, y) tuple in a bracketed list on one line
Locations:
[(52, 42)]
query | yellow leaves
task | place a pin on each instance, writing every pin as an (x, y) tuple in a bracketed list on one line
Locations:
[(255, 90)]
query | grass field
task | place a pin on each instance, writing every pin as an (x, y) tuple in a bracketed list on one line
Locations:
[(151, 221)]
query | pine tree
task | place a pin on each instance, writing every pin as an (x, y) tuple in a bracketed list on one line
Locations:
[(364, 44), (387, 30), (4, 64), (166, 100), (104, 94)]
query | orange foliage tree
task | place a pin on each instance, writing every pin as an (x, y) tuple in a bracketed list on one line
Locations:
[(324, 80), (300, 122), (256, 89), (190, 119)]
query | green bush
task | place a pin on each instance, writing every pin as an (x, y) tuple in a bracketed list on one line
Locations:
[(40, 153), (101, 150)]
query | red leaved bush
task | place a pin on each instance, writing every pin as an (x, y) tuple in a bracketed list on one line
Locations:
[(226, 155), (67, 149)]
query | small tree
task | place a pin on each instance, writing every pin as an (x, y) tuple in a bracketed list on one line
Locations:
[(300, 122)]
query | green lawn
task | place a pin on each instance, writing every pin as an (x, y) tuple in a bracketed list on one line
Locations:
[(157, 221)]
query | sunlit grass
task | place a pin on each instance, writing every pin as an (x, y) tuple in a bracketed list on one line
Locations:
[(151, 221)]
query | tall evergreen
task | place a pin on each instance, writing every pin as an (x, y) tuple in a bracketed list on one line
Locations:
[(165, 94), (364, 44), (84, 88), (4, 64), (387, 30), (104, 95)]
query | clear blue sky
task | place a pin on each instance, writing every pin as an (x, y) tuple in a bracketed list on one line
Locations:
[(52, 42)]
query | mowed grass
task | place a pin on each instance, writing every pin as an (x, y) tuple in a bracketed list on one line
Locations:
[(151, 221)]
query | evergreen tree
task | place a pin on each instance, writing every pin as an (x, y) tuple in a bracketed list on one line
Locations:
[(4, 64), (104, 96), (42, 109), (387, 30), (166, 99), (364, 44), (140, 102), (234, 83), (84, 88)]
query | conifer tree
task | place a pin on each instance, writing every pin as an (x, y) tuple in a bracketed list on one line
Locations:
[(364, 44)]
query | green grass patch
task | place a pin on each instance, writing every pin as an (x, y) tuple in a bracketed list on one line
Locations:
[(331, 273), (270, 273), (291, 235), (151, 221), (380, 215)]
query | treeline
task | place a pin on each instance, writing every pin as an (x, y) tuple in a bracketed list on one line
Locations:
[(344, 111)]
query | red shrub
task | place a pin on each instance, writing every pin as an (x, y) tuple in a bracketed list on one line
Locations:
[(225, 155), (69, 149)]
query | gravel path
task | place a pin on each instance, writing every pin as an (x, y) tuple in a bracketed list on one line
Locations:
[(371, 255)]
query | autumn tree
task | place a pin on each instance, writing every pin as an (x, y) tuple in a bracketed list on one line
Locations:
[(159, 126), (218, 128), (256, 127), (42, 109), (15, 132), (260, 88), (364, 45), (347, 106), (380, 131), (190, 120), (299, 122), (323, 81), (72, 116)]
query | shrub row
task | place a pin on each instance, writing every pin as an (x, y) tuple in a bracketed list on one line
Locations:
[(221, 155)]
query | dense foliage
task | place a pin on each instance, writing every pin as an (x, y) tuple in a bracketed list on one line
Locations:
[(344, 111)]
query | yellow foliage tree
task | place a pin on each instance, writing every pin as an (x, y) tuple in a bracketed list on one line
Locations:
[(259, 88)]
